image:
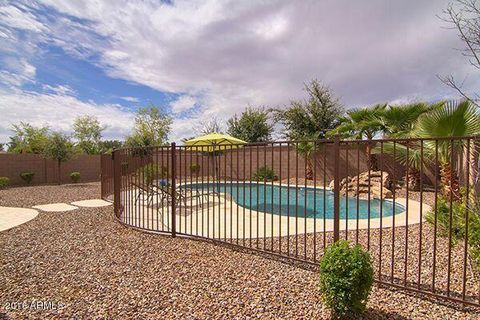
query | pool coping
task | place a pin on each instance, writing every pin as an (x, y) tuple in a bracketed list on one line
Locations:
[(416, 214)]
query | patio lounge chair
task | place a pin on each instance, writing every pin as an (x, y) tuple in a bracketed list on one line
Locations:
[(147, 191), (187, 198)]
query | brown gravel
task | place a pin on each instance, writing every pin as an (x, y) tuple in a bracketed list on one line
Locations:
[(100, 269), (35, 195)]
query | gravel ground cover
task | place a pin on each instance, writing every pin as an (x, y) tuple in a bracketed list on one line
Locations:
[(99, 269), (35, 195)]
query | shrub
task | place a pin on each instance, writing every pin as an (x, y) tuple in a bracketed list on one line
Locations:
[(75, 176), (346, 277), (194, 168), (148, 173), (264, 173), (27, 176), (124, 167), (4, 182), (459, 215)]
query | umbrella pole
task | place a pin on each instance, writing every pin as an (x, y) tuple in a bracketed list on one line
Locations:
[(216, 173)]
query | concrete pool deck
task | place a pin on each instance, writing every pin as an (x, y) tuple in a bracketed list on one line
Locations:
[(223, 218)]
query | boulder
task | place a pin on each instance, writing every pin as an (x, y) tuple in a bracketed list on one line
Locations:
[(377, 182)]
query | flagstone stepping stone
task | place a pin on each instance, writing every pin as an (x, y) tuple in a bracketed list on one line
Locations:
[(11, 217), (55, 207), (92, 203)]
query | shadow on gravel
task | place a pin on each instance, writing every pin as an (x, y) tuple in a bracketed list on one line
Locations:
[(381, 314), (77, 186)]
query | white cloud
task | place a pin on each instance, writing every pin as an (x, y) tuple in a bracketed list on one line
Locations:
[(59, 89), (16, 18), (16, 72), (183, 103), (262, 52), (130, 99), (239, 53), (59, 110)]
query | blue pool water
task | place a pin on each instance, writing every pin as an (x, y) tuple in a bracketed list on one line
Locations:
[(304, 202)]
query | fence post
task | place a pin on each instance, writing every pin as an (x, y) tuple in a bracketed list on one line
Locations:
[(174, 195), (336, 191), (116, 182)]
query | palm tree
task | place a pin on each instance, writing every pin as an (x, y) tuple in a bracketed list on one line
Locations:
[(450, 120), (306, 150), (362, 123), (399, 122)]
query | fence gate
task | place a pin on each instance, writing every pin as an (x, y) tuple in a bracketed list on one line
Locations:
[(411, 203)]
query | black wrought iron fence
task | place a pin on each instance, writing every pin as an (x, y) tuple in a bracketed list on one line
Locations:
[(412, 203)]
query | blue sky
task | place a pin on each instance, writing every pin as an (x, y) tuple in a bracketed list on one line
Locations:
[(55, 68), (204, 59)]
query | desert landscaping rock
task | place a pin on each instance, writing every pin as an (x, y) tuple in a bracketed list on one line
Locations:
[(27, 197), (100, 269), (377, 183), (55, 207), (92, 203), (12, 217)]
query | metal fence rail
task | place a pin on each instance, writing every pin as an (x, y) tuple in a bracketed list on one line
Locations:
[(106, 176), (412, 203)]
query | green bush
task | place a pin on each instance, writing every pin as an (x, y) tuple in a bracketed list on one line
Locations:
[(4, 182), (124, 167), (27, 176), (150, 172), (264, 173), (194, 168), (459, 215), (346, 277), (75, 176)]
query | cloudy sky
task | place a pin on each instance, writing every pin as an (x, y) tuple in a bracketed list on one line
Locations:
[(204, 59)]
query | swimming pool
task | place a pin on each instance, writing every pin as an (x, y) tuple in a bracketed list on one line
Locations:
[(302, 202)]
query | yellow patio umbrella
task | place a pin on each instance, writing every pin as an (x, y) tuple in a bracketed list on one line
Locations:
[(214, 142)]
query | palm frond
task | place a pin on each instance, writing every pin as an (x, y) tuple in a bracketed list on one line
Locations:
[(407, 156), (450, 120)]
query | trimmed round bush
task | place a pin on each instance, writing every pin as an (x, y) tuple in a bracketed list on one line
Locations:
[(150, 172), (194, 168), (4, 182), (27, 176), (75, 176), (264, 173), (124, 167), (346, 278)]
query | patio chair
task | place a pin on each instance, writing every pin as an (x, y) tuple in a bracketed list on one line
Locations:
[(188, 197), (147, 191)]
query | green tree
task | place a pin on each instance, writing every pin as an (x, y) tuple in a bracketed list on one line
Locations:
[(362, 123), (59, 148), (251, 126), (27, 138), (151, 128), (87, 130), (450, 120), (310, 119), (107, 146), (399, 121), (2, 146), (306, 150)]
